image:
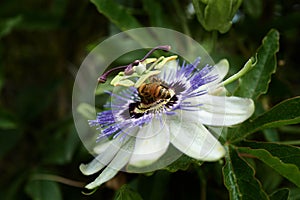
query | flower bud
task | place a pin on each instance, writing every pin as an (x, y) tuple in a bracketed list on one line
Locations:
[(216, 14)]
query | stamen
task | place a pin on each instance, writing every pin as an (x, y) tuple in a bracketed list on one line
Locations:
[(128, 69)]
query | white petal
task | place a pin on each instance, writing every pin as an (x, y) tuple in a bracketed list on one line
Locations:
[(195, 141), (106, 175), (106, 151), (220, 110), (118, 162), (102, 145), (219, 70), (101, 160), (151, 143), (218, 91)]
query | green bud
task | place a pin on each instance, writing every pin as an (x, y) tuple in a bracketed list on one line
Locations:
[(216, 14)]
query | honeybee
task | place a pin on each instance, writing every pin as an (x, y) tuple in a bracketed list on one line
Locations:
[(153, 92), (154, 96)]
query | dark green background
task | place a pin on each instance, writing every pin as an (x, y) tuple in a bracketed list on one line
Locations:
[(42, 44)]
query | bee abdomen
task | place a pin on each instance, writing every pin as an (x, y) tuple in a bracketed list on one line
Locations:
[(162, 93)]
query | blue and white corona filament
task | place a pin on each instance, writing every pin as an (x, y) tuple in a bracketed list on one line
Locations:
[(161, 103)]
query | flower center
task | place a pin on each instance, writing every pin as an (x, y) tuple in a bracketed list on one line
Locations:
[(155, 97)]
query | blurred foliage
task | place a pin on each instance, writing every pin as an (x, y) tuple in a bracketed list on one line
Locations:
[(42, 44)]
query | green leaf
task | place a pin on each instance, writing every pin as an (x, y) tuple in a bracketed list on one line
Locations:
[(286, 153), (282, 158), (271, 135), (282, 194), (7, 123), (155, 12), (13, 189), (289, 171), (8, 140), (127, 193), (155, 185), (7, 25), (284, 113), (57, 152), (71, 144), (269, 178), (120, 16), (257, 80), (254, 8), (294, 193), (117, 14), (1, 76), (239, 178), (45, 190), (10, 132), (182, 163)]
